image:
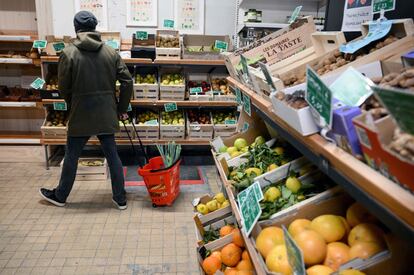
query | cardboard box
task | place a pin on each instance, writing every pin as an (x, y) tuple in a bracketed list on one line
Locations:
[(203, 46), (172, 132), (115, 36), (217, 94), (51, 39), (52, 131), (87, 172), (125, 131)]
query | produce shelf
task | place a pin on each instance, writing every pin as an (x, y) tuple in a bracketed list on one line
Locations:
[(185, 103), (20, 137), (392, 204), (23, 61), (61, 141), (14, 104)]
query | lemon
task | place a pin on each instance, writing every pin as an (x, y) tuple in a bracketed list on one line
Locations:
[(220, 197), (255, 170), (279, 150), (293, 184), (212, 205), (272, 194), (271, 167), (202, 208)]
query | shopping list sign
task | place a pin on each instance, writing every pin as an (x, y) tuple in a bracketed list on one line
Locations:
[(319, 97)]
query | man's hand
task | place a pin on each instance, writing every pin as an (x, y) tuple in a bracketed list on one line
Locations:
[(123, 116)]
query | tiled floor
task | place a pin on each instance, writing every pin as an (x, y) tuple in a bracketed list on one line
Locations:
[(90, 236)]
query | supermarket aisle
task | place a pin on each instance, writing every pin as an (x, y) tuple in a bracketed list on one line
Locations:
[(90, 236)]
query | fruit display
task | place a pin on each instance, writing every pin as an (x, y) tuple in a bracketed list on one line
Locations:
[(214, 234), (146, 116), (221, 85), (219, 201), (145, 79), (220, 117), (91, 163), (198, 117), (232, 258), (172, 79), (52, 84), (295, 100), (167, 41), (204, 85), (172, 118), (403, 144), (403, 80), (56, 119), (338, 59), (200, 49), (126, 122), (327, 241), (374, 107), (241, 146)]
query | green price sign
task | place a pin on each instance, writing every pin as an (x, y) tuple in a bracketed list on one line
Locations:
[(295, 14), (247, 105), (37, 83), (168, 23), (129, 109), (400, 103), (250, 211), (245, 127), (60, 106), (196, 90), (151, 122), (39, 44), (319, 97), (230, 122), (245, 68), (113, 44), (239, 96), (58, 46), (268, 77), (386, 5), (141, 35), (295, 256), (170, 107), (256, 189), (221, 45)]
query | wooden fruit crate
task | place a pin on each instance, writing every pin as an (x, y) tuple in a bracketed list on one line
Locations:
[(168, 53), (200, 131), (123, 133), (215, 224), (90, 173), (218, 96), (205, 41), (208, 96), (148, 131), (172, 132), (52, 131), (172, 92), (146, 91)]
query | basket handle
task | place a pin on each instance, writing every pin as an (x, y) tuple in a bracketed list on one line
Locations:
[(132, 144)]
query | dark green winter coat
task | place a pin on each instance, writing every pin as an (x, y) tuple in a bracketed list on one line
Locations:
[(88, 71)]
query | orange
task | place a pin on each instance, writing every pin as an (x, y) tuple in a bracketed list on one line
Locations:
[(268, 238), (364, 250), (357, 214), (277, 260), (237, 237), (245, 255), (244, 272), (351, 272), (347, 229), (230, 271), (319, 270), (216, 254), (231, 255), (329, 226), (298, 226), (313, 246), (336, 254), (244, 265), (225, 230), (211, 265), (366, 232)]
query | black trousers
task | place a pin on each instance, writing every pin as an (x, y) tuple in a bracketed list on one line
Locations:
[(74, 147)]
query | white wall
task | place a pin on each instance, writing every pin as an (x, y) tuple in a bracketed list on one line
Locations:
[(219, 17), (18, 15)]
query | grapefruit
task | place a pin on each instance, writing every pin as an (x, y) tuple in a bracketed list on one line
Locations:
[(231, 254), (268, 238), (216, 254), (244, 272), (211, 265), (346, 225), (246, 256), (240, 143), (226, 230), (357, 214), (277, 260), (319, 270), (298, 226), (313, 246), (230, 271), (244, 265), (329, 226), (336, 254), (364, 250), (366, 232)]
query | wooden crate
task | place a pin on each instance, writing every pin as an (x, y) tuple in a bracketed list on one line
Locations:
[(172, 132), (218, 96), (172, 92), (200, 131), (123, 133), (148, 132), (52, 131), (90, 173), (202, 228), (207, 43), (208, 96), (168, 53), (146, 91)]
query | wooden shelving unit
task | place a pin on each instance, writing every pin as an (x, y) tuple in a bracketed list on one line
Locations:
[(160, 103), (20, 137), (61, 141)]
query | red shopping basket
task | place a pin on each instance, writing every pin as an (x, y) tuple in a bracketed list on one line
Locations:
[(163, 184)]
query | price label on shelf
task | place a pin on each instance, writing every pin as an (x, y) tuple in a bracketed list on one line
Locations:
[(247, 105), (37, 83), (196, 90), (319, 97), (238, 96), (295, 256), (256, 189), (230, 121), (386, 5), (39, 44), (250, 211), (60, 106), (295, 14), (113, 44), (170, 107), (245, 69), (141, 35), (151, 122), (221, 45), (400, 103), (245, 127), (58, 46), (168, 23), (129, 108)]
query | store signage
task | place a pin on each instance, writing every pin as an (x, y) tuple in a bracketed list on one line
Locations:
[(355, 13), (238, 96), (221, 45), (295, 14), (37, 83), (151, 122), (230, 121), (141, 35), (247, 105), (58, 46), (245, 127), (113, 44), (268, 77), (250, 209), (129, 109), (168, 23), (295, 256), (196, 90), (60, 106), (170, 107), (256, 189), (39, 44), (319, 97), (351, 88), (386, 5), (400, 104), (245, 69)]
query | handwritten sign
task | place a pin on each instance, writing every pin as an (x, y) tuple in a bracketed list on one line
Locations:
[(60, 106), (168, 23), (39, 44), (37, 83), (170, 107)]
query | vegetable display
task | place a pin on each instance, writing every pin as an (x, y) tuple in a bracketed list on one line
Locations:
[(170, 153)]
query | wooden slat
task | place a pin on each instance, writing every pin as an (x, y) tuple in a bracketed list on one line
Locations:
[(185, 103)]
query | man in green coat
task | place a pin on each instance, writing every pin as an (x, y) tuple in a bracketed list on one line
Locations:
[(87, 74)]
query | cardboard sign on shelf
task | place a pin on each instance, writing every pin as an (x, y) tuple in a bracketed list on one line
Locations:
[(39, 44), (239, 96), (58, 46), (295, 255), (221, 45), (268, 76), (250, 211), (247, 106), (241, 197)]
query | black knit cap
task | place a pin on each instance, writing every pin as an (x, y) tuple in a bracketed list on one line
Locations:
[(85, 21)]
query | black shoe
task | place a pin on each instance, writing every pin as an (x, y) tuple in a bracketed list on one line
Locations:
[(120, 206), (50, 196)]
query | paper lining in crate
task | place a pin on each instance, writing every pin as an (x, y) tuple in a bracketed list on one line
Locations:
[(171, 132), (150, 129), (49, 131), (122, 134), (91, 169), (169, 51), (199, 77), (168, 90), (221, 93), (200, 131)]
